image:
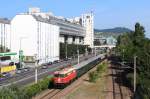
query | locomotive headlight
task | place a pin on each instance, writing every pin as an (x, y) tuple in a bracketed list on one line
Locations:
[(58, 79)]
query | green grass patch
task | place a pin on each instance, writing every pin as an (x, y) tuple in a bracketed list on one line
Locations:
[(101, 68)]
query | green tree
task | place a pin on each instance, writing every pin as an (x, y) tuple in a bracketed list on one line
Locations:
[(135, 43)]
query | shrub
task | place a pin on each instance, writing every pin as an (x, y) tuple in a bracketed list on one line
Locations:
[(32, 90), (14, 92), (44, 83), (101, 68), (93, 76), (7, 93)]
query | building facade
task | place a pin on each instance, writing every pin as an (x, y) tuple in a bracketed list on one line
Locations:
[(5, 34), (88, 23), (40, 33), (35, 36)]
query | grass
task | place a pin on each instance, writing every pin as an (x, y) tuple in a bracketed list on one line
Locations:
[(88, 90), (101, 68)]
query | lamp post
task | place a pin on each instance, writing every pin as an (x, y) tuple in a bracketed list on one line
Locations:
[(95, 51), (21, 51), (78, 53), (36, 65), (66, 50)]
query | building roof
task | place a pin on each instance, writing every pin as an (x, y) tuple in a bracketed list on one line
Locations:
[(66, 28), (4, 20), (39, 18)]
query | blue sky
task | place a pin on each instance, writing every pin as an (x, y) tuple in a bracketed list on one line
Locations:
[(108, 13)]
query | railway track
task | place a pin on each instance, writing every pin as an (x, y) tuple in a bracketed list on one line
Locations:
[(119, 91), (49, 94)]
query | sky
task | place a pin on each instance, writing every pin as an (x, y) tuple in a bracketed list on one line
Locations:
[(107, 13)]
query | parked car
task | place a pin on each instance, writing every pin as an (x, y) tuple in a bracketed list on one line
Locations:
[(6, 74), (49, 63), (65, 59), (69, 58), (18, 71), (44, 67), (26, 69), (56, 61)]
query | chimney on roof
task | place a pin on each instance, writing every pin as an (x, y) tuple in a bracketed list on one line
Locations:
[(34, 10)]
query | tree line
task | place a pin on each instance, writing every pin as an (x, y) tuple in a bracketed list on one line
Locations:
[(136, 44)]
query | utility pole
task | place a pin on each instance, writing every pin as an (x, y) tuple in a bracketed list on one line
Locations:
[(36, 65), (135, 73), (95, 51), (78, 53), (78, 56), (66, 50), (35, 72)]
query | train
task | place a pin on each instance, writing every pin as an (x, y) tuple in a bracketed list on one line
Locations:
[(66, 75)]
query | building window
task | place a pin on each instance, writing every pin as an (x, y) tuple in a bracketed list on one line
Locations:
[(88, 17), (80, 39), (66, 39), (74, 38)]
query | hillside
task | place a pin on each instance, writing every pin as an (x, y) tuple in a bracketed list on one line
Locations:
[(111, 32)]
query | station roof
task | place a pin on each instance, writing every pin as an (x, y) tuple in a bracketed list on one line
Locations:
[(8, 54)]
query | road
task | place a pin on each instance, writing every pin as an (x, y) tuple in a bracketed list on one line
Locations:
[(28, 77)]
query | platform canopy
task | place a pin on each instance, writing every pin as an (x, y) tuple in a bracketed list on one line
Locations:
[(8, 54)]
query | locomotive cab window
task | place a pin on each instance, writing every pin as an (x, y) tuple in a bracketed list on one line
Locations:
[(59, 75)]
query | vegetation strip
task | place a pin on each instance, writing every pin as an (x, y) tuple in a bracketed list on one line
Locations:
[(93, 76), (135, 44)]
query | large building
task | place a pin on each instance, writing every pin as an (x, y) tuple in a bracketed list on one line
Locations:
[(5, 34), (33, 35), (40, 33), (88, 23)]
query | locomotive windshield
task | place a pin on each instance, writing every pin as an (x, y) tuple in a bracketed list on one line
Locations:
[(59, 75)]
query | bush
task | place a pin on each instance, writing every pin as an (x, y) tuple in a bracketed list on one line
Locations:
[(101, 67), (14, 92), (93, 76), (44, 84), (36, 88), (32, 90)]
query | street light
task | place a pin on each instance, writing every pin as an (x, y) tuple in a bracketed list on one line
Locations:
[(95, 51), (66, 51), (78, 53), (21, 51), (36, 66)]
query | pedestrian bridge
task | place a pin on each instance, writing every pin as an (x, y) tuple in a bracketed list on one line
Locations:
[(105, 46)]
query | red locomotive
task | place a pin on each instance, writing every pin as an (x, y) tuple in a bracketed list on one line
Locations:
[(64, 76)]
